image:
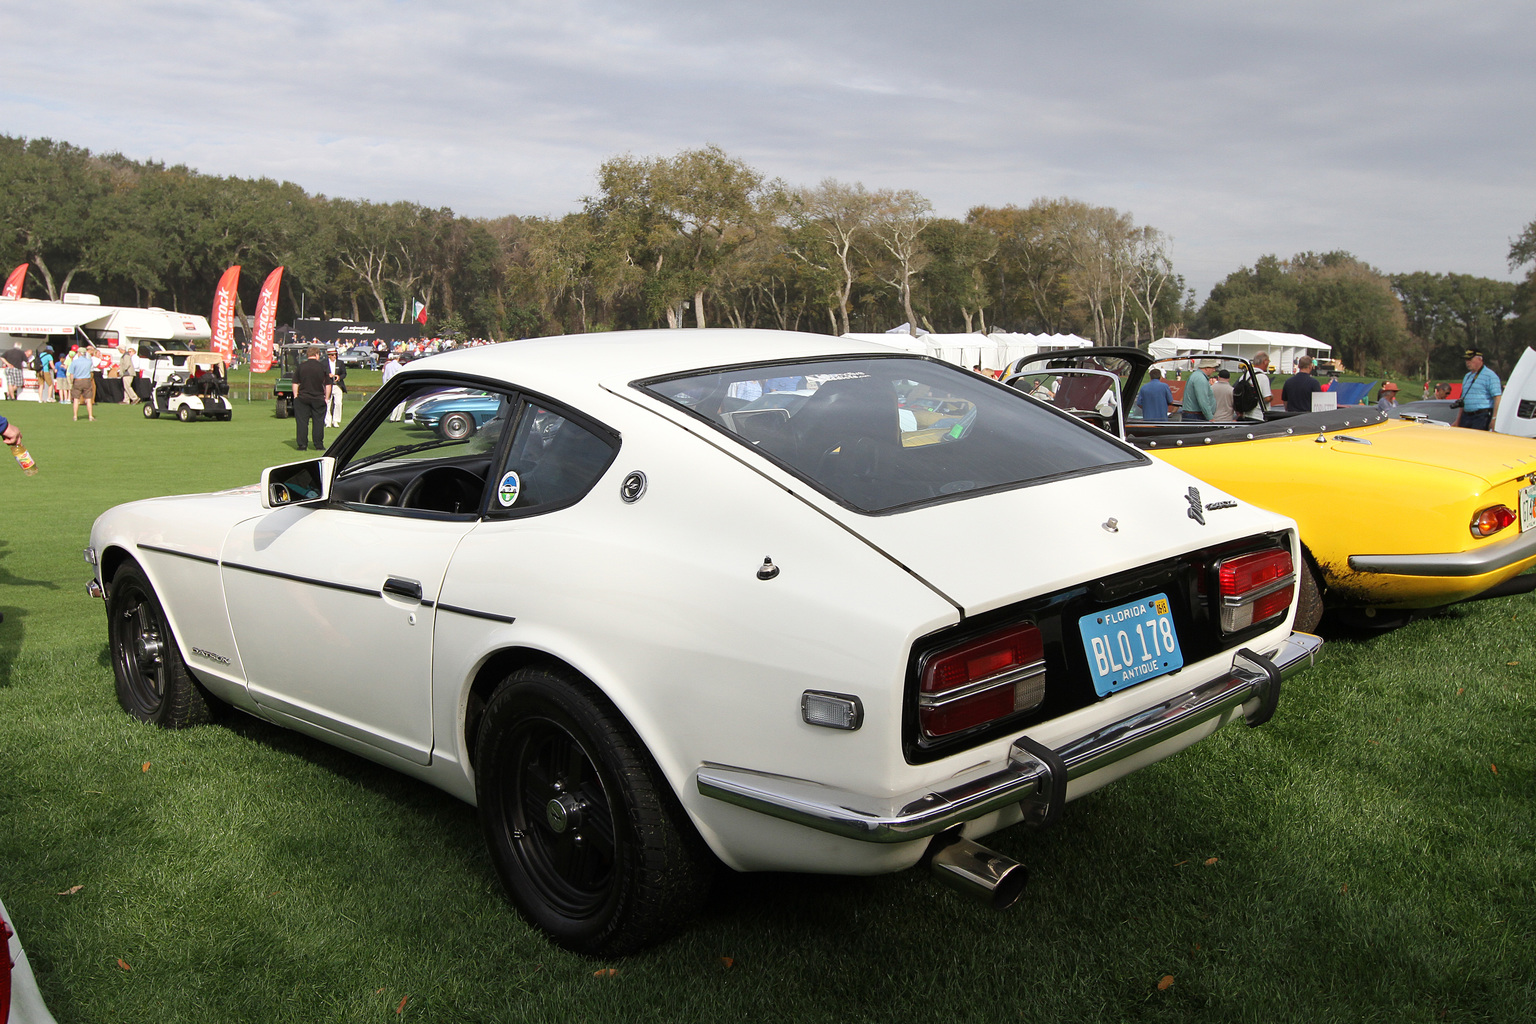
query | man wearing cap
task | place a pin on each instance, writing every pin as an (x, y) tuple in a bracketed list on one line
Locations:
[(1221, 390), (1480, 392), (1387, 400), (1199, 403), (1298, 391)]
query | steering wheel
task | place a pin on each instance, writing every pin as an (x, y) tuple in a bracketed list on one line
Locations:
[(444, 489)]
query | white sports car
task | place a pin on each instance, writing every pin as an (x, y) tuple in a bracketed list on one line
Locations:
[(648, 621)]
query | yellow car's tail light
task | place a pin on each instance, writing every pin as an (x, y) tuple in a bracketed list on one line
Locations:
[(981, 680), (1255, 587), (1491, 520)]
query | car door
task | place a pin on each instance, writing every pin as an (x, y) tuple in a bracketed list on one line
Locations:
[(333, 606)]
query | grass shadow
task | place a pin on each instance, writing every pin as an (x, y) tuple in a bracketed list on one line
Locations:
[(12, 632)]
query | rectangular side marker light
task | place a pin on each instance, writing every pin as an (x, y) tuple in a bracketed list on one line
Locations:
[(832, 710)]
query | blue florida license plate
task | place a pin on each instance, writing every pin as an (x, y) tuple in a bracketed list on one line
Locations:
[(1131, 643)]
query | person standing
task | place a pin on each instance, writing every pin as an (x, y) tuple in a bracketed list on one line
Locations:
[(1480, 393), (82, 388), (1387, 401), (1221, 390), (127, 370), (1154, 398), (45, 374), (1199, 403), (1298, 391), (392, 367), (336, 375), (15, 360), (1266, 389), (311, 392)]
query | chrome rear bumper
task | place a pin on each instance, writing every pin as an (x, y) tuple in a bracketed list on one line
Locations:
[(1035, 776), (1490, 557)]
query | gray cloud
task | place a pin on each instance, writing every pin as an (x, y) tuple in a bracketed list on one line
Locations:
[(1399, 131)]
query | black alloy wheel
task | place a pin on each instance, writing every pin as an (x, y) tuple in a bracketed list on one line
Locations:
[(153, 684), (587, 837)]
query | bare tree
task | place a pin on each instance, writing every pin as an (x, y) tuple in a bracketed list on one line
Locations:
[(897, 223), (841, 213)]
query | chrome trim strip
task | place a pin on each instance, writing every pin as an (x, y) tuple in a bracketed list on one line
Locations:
[(1488, 558), (1009, 678), (1238, 600), (927, 812)]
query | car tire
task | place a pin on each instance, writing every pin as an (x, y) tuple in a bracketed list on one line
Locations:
[(153, 684), (456, 426), (1309, 598), (282, 409), (588, 839), (185, 413), (150, 412)]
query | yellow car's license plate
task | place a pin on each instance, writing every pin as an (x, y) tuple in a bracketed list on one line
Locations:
[(1528, 508)]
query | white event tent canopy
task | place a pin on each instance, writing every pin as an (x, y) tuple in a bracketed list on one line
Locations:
[(995, 351), (1170, 348), (1284, 349)]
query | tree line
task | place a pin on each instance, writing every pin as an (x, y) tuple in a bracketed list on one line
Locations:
[(703, 239)]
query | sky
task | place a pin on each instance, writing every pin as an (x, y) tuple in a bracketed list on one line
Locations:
[(1403, 131)]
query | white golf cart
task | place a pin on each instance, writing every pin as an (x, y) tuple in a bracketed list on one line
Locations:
[(187, 385)]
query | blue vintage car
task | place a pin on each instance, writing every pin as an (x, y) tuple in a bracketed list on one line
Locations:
[(454, 414)]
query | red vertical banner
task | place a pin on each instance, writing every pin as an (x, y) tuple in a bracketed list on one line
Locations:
[(223, 340), (15, 283), (266, 322)]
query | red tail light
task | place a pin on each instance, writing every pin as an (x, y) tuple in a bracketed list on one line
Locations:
[(1491, 520), (982, 680), (1255, 587)]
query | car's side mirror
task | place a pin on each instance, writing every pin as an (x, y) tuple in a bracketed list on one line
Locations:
[(297, 483)]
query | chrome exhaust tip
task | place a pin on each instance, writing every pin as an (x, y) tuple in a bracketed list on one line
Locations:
[(978, 872)]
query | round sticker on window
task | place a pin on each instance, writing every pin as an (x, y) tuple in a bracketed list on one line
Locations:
[(506, 491)]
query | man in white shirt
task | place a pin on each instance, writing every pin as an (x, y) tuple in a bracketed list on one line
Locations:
[(1266, 390), (390, 369)]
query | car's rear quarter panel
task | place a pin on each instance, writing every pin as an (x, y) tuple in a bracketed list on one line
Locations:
[(658, 603)]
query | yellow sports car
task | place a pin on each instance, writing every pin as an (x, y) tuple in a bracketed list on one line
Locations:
[(1394, 515)]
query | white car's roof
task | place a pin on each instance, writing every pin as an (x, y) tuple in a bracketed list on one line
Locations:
[(561, 365)]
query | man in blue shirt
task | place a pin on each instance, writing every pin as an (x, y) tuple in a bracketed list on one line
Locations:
[(82, 386), (1480, 391), (1154, 398)]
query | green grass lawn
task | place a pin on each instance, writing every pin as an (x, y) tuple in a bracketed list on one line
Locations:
[(1370, 855)]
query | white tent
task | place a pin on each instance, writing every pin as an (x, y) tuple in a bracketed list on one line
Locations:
[(1284, 349), (995, 351), (1169, 348)]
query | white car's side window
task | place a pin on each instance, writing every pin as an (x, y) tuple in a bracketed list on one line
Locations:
[(433, 453), (551, 462)]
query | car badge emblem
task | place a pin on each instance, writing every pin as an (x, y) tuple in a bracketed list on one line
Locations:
[(633, 487), (1196, 510)]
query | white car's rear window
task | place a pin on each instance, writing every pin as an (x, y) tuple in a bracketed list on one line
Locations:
[(884, 433)]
